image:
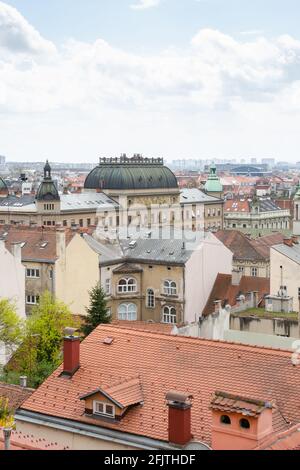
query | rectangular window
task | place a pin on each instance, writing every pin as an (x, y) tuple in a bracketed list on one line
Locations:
[(103, 409), (88, 222), (32, 299), (254, 272), (65, 223), (81, 222), (33, 273)]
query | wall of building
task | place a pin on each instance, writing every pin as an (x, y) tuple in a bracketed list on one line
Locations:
[(72, 440), (76, 273), (206, 262), (263, 268), (12, 276), (213, 216), (269, 326), (37, 286), (152, 276), (290, 279)]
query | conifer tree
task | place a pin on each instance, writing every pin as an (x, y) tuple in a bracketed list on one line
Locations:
[(97, 312)]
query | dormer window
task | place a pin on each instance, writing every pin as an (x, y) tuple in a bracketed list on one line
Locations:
[(104, 409), (114, 401)]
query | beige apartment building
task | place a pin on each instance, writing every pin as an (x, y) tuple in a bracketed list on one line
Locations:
[(285, 270), (56, 260), (121, 192), (158, 277)]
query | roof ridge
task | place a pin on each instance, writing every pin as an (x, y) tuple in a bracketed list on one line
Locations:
[(183, 339)]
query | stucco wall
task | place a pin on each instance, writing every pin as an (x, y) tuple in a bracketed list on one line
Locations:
[(72, 440), (269, 326), (210, 259), (76, 272), (291, 276), (12, 279)]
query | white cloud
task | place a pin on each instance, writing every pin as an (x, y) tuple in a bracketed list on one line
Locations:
[(208, 97), (18, 36), (144, 4)]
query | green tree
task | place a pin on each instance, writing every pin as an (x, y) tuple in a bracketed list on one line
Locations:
[(11, 326), (40, 352), (97, 312)]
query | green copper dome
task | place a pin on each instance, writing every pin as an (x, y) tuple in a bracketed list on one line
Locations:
[(47, 190), (213, 183), (131, 173)]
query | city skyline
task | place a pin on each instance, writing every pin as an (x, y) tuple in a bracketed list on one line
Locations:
[(176, 79)]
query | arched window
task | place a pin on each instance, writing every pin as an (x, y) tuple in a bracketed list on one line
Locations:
[(170, 288), (150, 298), (127, 285), (169, 315), (244, 423), (225, 419), (127, 312)]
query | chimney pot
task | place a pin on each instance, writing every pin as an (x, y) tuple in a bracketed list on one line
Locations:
[(23, 381)]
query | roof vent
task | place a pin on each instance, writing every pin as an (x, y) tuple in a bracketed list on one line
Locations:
[(132, 244), (108, 340)]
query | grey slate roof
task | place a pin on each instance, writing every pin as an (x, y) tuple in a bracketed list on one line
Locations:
[(153, 247), (194, 195), (69, 202), (291, 252), (86, 201)]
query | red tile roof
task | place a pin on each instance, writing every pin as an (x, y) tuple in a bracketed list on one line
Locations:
[(236, 205), (146, 326), (226, 292), (15, 394), (263, 244), (20, 441), (164, 362), (124, 393), (227, 402), (241, 246), (286, 440), (40, 243)]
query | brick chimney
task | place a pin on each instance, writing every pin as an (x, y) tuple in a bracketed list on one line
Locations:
[(71, 354), (179, 417), (288, 242), (239, 423)]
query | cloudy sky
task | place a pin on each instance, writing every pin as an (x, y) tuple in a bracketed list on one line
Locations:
[(81, 79)]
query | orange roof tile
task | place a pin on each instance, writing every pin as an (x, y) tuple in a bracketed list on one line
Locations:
[(165, 362), (21, 441), (124, 393), (225, 291), (286, 440), (227, 402), (40, 243), (15, 394)]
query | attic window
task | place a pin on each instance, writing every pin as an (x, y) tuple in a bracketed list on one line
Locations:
[(244, 423), (225, 419), (103, 409)]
